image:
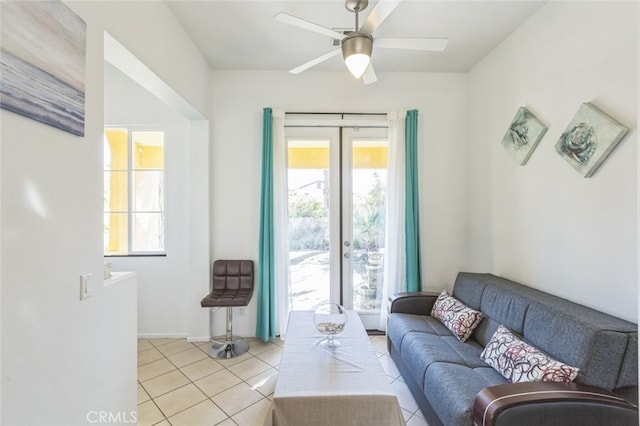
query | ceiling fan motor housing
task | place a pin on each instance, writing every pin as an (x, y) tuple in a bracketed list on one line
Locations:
[(356, 42)]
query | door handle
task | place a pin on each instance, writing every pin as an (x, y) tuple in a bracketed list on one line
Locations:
[(346, 255)]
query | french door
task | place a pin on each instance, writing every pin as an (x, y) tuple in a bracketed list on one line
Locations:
[(336, 179)]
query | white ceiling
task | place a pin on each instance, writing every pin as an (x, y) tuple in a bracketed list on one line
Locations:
[(242, 35)]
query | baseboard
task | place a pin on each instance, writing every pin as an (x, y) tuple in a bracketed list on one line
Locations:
[(198, 339), (162, 336), (178, 336)]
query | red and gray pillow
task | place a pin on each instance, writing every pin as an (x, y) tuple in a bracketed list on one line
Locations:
[(518, 361), (456, 316)]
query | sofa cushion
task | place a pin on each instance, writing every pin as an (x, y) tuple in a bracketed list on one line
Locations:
[(401, 324), (587, 337), (504, 306), (452, 388), (421, 350), (519, 362), (456, 316), (469, 287), (628, 373)]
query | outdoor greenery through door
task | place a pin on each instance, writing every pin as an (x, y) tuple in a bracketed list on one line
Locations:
[(336, 202)]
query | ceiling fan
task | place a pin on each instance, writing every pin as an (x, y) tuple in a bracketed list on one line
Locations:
[(356, 46)]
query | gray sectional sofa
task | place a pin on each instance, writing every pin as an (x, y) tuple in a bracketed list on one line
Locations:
[(449, 380)]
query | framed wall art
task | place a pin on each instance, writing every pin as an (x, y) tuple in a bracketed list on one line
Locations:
[(589, 139), (523, 136), (42, 63)]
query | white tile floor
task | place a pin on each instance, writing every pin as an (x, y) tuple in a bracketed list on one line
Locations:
[(179, 384)]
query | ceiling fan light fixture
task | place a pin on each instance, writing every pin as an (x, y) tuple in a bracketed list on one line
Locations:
[(356, 51), (357, 64)]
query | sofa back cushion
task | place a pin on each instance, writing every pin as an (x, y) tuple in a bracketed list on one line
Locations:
[(495, 298), (580, 339), (596, 343)]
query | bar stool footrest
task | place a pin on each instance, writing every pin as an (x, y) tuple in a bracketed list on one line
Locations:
[(229, 349), (223, 339)]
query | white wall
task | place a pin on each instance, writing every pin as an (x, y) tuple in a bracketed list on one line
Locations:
[(61, 357), (150, 31), (238, 99), (57, 352), (177, 76), (161, 279), (544, 224), (169, 287)]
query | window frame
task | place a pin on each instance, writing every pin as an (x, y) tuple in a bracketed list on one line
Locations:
[(130, 212)]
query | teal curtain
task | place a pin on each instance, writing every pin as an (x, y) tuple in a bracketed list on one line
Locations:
[(412, 210), (265, 326)]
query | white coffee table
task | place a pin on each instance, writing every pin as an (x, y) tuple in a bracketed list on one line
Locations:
[(344, 386)]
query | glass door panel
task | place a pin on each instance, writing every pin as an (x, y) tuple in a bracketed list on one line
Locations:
[(312, 223), (364, 207)]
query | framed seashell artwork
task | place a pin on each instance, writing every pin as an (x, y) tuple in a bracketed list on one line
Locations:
[(589, 139), (523, 136)]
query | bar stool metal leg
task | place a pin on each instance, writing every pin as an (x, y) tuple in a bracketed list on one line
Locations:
[(228, 346)]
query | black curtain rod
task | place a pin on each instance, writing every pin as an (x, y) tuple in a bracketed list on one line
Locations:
[(336, 127), (335, 113)]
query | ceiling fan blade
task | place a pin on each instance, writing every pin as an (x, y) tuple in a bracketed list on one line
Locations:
[(378, 15), (316, 61), (369, 75), (306, 25), (431, 44)]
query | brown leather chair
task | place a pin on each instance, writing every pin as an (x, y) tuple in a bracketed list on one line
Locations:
[(231, 286)]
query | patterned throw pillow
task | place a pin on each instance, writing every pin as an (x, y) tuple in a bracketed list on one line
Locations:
[(457, 317), (518, 361)]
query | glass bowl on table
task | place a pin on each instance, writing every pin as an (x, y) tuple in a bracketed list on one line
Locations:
[(330, 319)]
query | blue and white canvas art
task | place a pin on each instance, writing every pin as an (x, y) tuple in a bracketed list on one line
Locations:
[(523, 135), (589, 139), (42, 63)]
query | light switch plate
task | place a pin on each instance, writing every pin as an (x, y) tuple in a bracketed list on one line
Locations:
[(85, 288)]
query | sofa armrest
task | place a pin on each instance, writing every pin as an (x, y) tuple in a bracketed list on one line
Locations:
[(417, 303), (550, 403)]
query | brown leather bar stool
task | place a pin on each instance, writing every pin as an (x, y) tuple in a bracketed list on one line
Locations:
[(231, 286)]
